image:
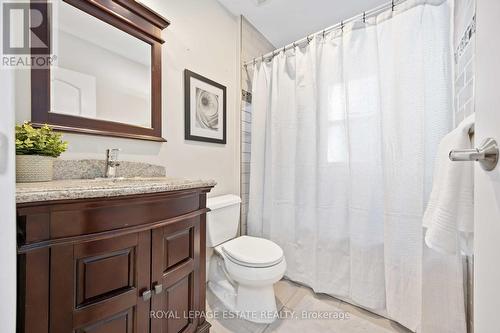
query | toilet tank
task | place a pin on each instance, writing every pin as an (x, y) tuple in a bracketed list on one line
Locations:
[(223, 219)]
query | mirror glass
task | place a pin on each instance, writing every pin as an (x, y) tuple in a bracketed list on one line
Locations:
[(101, 72)]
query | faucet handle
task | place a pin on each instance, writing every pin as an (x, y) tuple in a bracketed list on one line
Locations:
[(112, 154)]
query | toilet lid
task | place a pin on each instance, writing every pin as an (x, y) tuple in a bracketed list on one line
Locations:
[(253, 251)]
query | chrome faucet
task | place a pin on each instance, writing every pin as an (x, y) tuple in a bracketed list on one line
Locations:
[(111, 162)]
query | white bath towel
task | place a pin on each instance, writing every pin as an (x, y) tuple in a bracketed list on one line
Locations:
[(450, 210)]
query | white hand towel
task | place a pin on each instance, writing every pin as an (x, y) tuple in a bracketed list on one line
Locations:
[(450, 210)]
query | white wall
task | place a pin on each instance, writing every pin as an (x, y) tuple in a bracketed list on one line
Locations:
[(7, 205), (253, 44), (203, 37)]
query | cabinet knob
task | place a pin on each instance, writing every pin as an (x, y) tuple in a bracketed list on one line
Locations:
[(146, 295), (158, 289)]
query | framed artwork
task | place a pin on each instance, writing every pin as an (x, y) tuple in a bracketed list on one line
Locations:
[(205, 109)]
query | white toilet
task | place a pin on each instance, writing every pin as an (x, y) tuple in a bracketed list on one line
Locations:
[(241, 270)]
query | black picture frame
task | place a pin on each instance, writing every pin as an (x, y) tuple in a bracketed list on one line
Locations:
[(188, 75)]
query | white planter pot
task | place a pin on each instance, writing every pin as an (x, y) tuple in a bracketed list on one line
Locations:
[(34, 168)]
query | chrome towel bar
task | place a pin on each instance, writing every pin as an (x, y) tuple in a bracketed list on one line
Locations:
[(486, 154)]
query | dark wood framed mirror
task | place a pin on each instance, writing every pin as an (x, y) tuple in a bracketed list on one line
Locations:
[(106, 78)]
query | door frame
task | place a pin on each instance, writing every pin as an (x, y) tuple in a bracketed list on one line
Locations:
[(7, 203), (487, 183)]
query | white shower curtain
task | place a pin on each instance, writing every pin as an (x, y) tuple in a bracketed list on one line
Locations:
[(344, 135)]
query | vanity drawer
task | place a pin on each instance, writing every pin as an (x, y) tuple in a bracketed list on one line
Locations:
[(112, 214)]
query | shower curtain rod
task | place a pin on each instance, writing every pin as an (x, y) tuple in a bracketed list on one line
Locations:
[(363, 16)]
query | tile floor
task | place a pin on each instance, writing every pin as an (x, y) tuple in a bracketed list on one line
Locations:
[(294, 298)]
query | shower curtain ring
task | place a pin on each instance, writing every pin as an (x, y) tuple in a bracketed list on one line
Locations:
[(393, 5), (284, 49), (323, 34), (364, 17), (342, 26)]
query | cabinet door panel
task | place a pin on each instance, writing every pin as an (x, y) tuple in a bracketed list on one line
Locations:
[(177, 247), (177, 298), (176, 266), (121, 323), (106, 278), (33, 291), (105, 268), (113, 272)]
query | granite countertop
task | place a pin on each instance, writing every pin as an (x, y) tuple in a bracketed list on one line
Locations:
[(100, 188)]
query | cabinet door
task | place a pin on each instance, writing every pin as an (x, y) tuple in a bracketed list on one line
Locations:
[(176, 267), (96, 287)]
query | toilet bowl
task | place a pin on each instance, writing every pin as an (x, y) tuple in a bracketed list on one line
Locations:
[(241, 270)]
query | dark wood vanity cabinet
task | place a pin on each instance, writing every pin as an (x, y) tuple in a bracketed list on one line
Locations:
[(116, 265)]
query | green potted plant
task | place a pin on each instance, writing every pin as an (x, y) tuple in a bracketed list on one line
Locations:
[(36, 150)]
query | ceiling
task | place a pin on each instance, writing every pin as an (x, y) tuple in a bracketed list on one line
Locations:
[(284, 21)]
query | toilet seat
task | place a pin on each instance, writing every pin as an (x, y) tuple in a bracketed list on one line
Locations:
[(252, 252)]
